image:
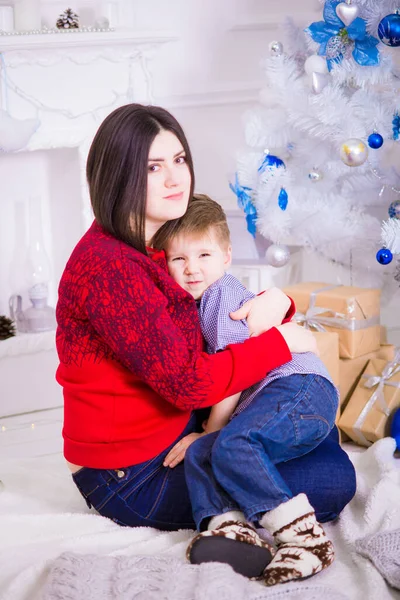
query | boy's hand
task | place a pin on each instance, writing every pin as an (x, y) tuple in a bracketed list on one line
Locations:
[(177, 454)]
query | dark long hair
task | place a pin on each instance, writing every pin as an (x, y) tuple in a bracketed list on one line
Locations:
[(117, 168)]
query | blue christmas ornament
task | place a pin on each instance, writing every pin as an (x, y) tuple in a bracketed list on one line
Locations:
[(245, 203), (396, 126), (375, 141), (335, 38), (394, 210), (395, 428), (269, 162), (384, 256), (283, 199), (389, 30)]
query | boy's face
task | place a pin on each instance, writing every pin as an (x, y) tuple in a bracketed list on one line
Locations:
[(197, 262)]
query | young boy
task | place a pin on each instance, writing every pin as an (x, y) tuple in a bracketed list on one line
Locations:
[(284, 416)]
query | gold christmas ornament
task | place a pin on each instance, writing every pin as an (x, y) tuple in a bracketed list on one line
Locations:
[(354, 152)]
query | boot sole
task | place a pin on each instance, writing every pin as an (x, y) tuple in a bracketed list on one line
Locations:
[(245, 559)]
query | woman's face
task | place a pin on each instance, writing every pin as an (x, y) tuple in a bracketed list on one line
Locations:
[(168, 182)]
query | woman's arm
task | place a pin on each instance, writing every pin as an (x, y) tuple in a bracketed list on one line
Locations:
[(130, 315), (269, 309)]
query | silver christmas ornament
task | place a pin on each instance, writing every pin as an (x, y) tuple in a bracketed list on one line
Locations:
[(276, 48), (354, 152), (102, 23), (277, 255), (315, 175), (347, 12), (315, 64), (319, 82)]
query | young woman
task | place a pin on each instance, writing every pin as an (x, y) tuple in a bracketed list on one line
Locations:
[(130, 347)]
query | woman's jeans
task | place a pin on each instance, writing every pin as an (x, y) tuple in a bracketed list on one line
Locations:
[(149, 494)]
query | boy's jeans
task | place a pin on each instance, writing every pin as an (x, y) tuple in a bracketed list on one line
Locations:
[(289, 418)]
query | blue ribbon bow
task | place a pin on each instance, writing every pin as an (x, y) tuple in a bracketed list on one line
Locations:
[(365, 51)]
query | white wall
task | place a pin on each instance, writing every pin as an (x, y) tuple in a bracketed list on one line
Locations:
[(207, 77)]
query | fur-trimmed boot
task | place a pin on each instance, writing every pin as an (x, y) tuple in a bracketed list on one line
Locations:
[(302, 546), (233, 542)]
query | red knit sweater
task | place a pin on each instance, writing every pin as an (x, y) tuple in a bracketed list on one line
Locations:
[(131, 355)]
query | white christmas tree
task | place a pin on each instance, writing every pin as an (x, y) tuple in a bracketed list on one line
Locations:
[(322, 163)]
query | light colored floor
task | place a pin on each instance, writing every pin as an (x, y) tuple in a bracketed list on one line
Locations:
[(32, 434)]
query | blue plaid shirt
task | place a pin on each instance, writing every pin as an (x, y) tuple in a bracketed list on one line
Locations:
[(228, 295)]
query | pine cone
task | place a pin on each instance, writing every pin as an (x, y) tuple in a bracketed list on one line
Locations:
[(7, 328), (68, 20)]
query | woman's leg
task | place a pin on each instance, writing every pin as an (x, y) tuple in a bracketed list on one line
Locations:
[(147, 494), (326, 475)]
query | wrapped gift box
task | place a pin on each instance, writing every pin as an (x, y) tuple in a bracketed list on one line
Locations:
[(328, 348), (367, 416), (351, 369), (351, 312)]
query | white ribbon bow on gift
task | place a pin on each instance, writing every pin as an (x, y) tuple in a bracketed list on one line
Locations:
[(391, 369), (313, 319)]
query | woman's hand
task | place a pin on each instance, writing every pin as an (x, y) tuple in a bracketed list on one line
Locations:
[(177, 454), (297, 338), (264, 311)]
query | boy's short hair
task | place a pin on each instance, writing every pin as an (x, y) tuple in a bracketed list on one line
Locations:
[(201, 216)]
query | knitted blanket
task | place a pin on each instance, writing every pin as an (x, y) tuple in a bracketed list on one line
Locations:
[(45, 525), (383, 550), (90, 577)]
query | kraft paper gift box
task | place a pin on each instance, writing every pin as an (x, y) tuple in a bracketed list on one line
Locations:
[(351, 369), (328, 348), (352, 312), (367, 416)]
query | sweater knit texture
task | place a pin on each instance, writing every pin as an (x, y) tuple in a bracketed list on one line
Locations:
[(89, 577), (383, 550)]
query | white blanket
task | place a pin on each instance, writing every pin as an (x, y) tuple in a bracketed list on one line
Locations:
[(43, 515)]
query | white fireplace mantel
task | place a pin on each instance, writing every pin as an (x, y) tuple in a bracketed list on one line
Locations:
[(59, 41), (69, 83)]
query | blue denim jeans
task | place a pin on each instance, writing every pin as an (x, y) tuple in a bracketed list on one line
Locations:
[(149, 494), (290, 417)]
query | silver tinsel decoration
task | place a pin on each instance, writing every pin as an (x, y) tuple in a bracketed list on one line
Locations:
[(277, 255)]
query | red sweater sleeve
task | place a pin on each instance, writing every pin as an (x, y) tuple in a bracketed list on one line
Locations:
[(130, 315), (290, 312)]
